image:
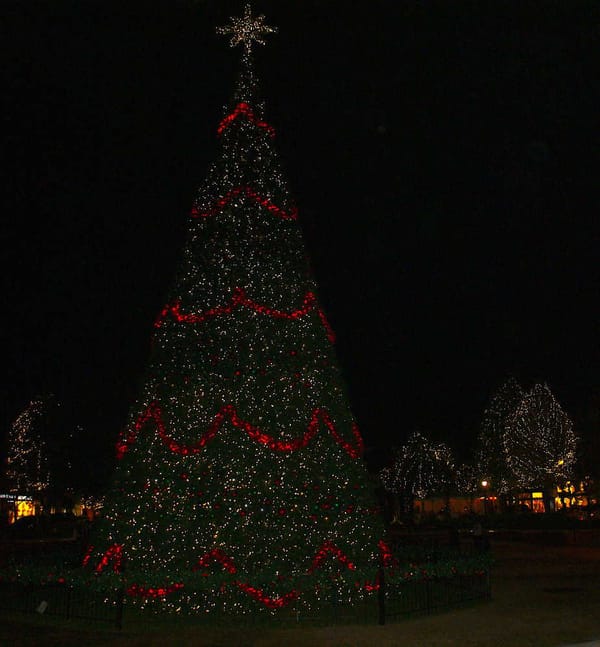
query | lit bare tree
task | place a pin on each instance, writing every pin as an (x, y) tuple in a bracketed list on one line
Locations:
[(468, 480), (27, 463), (420, 469), (539, 441), (491, 460)]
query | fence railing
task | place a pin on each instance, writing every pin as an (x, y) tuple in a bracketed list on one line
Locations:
[(395, 598), (63, 601), (393, 601), (433, 595), (398, 599)]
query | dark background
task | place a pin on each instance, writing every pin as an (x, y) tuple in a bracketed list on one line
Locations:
[(444, 157)]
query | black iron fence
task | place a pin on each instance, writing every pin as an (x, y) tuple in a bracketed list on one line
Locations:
[(398, 599), (63, 601), (395, 598), (428, 596), (393, 601)]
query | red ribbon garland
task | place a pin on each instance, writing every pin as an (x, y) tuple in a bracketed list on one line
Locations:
[(239, 299), (217, 555), (153, 412), (115, 553), (245, 110), (152, 592), (221, 203), (388, 559), (330, 547), (88, 554), (270, 603)]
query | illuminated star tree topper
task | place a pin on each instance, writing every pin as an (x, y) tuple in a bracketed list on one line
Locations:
[(247, 29)]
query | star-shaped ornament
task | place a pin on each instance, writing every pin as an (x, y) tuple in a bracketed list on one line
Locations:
[(247, 29)]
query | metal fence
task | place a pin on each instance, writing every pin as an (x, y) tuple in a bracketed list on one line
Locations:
[(427, 596), (395, 599), (399, 599), (63, 601)]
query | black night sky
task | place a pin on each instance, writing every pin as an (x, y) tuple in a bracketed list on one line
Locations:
[(443, 155)]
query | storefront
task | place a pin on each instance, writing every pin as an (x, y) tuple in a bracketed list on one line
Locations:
[(15, 506)]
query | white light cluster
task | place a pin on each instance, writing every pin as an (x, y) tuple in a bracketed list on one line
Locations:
[(539, 441)]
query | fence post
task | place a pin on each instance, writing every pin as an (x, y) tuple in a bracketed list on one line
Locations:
[(120, 602), (69, 602), (381, 593)]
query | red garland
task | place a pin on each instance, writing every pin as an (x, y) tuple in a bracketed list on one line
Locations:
[(373, 587), (330, 547), (217, 555), (389, 561), (221, 203), (87, 556), (239, 299), (270, 603), (246, 110), (150, 592), (114, 554), (153, 412)]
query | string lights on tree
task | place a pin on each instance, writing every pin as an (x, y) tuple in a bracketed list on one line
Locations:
[(27, 468), (491, 458), (539, 441), (240, 483), (420, 469), (468, 479)]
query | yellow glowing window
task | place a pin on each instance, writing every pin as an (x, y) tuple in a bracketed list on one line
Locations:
[(25, 508), (537, 495)]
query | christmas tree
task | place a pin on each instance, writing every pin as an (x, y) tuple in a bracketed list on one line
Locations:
[(240, 482)]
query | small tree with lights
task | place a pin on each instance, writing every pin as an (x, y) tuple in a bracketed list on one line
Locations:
[(420, 469), (540, 443), (468, 481), (27, 470), (491, 462), (240, 483)]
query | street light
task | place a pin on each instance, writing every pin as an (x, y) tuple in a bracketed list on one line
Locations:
[(484, 484)]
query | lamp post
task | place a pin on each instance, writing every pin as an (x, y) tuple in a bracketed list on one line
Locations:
[(485, 484)]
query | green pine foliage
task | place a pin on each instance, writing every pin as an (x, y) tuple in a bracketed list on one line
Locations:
[(240, 479)]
